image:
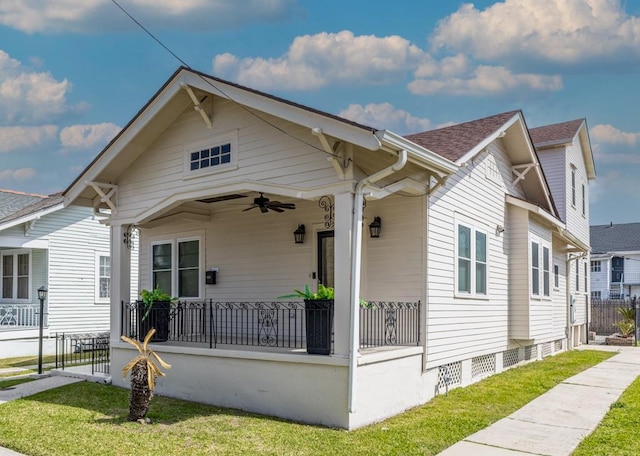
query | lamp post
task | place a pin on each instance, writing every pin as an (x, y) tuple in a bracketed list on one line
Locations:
[(42, 295)]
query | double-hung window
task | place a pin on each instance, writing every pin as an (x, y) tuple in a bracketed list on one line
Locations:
[(103, 277), (176, 267), (540, 269), (16, 274), (471, 260), (596, 266)]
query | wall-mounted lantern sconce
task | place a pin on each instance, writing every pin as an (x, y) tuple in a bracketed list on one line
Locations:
[(375, 227), (298, 234), (499, 229)]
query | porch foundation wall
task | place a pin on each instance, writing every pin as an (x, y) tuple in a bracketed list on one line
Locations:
[(299, 387)]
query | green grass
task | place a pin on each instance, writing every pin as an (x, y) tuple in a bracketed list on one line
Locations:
[(13, 382), (25, 361), (86, 418), (618, 431)]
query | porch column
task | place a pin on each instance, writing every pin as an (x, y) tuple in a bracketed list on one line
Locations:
[(342, 264), (120, 277)]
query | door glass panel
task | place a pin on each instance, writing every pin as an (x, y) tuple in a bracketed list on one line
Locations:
[(326, 258)]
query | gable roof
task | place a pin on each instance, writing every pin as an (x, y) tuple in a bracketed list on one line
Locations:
[(455, 141), (38, 206), (620, 237), (178, 93), (565, 133)]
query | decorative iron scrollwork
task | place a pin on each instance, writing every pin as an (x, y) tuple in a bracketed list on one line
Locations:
[(328, 205), (131, 232)]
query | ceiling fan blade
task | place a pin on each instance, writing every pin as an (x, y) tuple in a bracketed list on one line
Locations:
[(253, 206), (275, 208), (284, 205)]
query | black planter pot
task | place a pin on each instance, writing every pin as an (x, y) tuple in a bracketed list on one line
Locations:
[(319, 325), (157, 318)]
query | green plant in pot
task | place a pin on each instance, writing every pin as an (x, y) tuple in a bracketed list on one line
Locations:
[(318, 311), (155, 308)]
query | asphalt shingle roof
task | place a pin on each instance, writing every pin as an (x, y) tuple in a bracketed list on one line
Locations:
[(14, 205), (621, 237), (455, 141), (559, 133)]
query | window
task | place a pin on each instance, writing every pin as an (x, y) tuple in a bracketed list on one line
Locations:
[(573, 186), (540, 269), (596, 266), (103, 277), (217, 155), (584, 201), (556, 276), (472, 261), (176, 267), (577, 276), (16, 274), (596, 295)]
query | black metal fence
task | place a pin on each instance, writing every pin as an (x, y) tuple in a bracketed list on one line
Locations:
[(83, 349), (389, 323), (269, 324), (604, 314)]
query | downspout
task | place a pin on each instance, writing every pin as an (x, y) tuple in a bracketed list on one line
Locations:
[(356, 254)]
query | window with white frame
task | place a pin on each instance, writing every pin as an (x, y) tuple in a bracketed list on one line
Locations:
[(573, 185), (596, 266), (471, 260), (584, 200), (16, 274), (596, 295), (103, 277), (540, 269), (586, 277), (216, 154), (556, 276), (176, 267), (577, 275)]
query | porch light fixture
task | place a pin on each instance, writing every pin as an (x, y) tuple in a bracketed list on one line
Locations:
[(375, 227), (298, 234), (499, 229), (42, 295)]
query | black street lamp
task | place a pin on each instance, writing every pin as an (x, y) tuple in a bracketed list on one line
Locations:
[(42, 295)]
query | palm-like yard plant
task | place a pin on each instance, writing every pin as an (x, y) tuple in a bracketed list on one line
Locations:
[(144, 372)]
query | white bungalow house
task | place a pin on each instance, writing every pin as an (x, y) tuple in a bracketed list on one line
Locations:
[(65, 249), (238, 197), (615, 260)]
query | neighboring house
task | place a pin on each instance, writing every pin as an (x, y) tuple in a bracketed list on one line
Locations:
[(615, 261), (467, 276), (66, 249)]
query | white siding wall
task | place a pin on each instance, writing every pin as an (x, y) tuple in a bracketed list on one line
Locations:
[(559, 293), (541, 309), (264, 154), (519, 273), (460, 328), (554, 166), (599, 281)]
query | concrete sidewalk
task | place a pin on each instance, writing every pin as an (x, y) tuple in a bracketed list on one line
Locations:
[(555, 423)]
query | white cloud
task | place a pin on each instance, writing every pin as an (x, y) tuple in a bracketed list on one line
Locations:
[(561, 31), (28, 96), (482, 80), (37, 16), (88, 136), (16, 138), (609, 134), (314, 61), (385, 116), (15, 175)]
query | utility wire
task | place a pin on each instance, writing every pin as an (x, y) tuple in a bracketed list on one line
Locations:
[(208, 82)]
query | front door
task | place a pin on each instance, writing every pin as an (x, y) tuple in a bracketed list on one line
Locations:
[(326, 258)]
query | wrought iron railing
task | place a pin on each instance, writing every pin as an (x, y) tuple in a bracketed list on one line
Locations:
[(389, 323), (20, 315), (83, 349), (273, 324)]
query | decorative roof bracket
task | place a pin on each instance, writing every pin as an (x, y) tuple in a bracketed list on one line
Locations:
[(110, 189), (333, 156), (521, 171), (196, 104), (440, 181), (28, 226)]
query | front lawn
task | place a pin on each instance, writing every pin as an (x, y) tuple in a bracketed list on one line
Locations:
[(88, 419)]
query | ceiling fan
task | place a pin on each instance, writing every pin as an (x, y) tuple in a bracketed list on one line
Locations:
[(266, 205)]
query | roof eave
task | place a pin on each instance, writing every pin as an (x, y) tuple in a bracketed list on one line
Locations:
[(417, 154), (30, 217)]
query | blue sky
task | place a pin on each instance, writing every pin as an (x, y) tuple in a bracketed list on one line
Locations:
[(73, 72)]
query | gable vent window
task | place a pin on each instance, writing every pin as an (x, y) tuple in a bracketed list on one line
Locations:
[(215, 156)]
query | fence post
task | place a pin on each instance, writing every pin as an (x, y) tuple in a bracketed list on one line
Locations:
[(636, 304)]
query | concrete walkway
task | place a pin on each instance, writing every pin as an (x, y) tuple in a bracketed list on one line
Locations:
[(555, 423)]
